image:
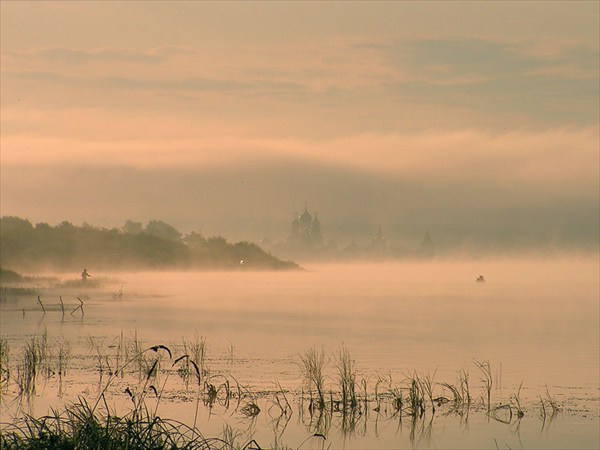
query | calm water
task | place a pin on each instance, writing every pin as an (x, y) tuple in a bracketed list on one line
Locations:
[(536, 321)]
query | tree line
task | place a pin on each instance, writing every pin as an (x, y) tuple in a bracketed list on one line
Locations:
[(157, 245)]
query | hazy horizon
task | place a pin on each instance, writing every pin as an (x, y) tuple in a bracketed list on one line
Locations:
[(476, 121)]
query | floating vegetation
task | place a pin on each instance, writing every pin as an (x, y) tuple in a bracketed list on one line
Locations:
[(250, 409)]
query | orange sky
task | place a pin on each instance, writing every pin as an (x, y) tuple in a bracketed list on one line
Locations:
[(435, 93)]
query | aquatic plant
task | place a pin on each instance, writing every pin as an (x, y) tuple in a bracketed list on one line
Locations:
[(346, 405), (515, 402), (35, 354), (548, 407), (4, 365), (84, 427), (415, 397), (461, 401), (196, 348), (312, 364), (346, 378), (484, 367), (250, 409)]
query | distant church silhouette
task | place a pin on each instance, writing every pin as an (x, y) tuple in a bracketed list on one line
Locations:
[(305, 230), (427, 246), (305, 237)]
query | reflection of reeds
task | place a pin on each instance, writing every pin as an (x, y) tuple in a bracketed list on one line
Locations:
[(416, 397), (411, 401), (548, 407), (461, 401)]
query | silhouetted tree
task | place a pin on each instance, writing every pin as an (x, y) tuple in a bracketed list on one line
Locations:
[(133, 227), (162, 230)]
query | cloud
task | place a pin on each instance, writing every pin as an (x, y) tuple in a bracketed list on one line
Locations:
[(374, 84), (553, 158), (79, 56)]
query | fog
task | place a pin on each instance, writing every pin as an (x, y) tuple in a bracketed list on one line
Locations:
[(482, 129), (256, 201)]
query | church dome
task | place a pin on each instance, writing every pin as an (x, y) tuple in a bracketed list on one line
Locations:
[(305, 218)]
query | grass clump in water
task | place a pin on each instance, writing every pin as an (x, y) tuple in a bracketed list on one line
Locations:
[(312, 364), (346, 379), (4, 365)]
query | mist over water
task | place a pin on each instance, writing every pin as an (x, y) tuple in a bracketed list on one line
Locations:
[(535, 320), (191, 157), (534, 316)]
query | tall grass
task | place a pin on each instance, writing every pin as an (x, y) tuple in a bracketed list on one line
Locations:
[(346, 378), (196, 349), (4, 366), (312, 364), (486, 379), (35, 354), (345, 402), (83, 427), (461, 401)]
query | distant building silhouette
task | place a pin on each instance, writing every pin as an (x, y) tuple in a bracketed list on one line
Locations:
[(378, 243), (305, 230), (427, 246)]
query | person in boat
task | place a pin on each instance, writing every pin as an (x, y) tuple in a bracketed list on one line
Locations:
[(480, 278), (85, 275)]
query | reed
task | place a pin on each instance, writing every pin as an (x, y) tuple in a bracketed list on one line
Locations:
[(83, 427), (461, 401), (196, 348), (415, 397), (28, 371), (548, 406), (312, 365), (515, 402), (4, 366), (464, 387), (427, 384), (486, 379), (347, 405), (346, 378), (142, 362), (230, 352), (393, 394), (34, 360)]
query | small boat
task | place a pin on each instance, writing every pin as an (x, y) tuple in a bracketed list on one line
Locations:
[(480, 279)]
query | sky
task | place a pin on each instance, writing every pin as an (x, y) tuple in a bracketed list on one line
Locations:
[(476, 120)]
